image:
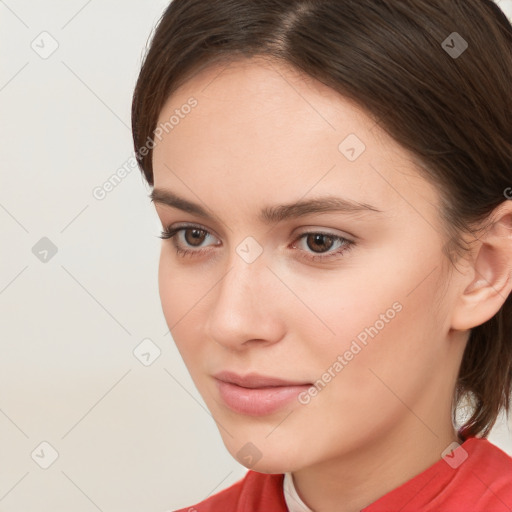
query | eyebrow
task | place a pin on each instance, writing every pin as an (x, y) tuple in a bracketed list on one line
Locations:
[(271, 214)]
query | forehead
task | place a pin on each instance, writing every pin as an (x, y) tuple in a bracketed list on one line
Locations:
[(262, 90), (260, 126)]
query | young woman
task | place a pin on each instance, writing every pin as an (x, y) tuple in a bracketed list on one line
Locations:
[(333, 179)]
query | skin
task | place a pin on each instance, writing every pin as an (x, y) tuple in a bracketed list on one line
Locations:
[(262, 134)]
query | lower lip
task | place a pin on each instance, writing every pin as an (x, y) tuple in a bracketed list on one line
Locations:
[(258, 401)]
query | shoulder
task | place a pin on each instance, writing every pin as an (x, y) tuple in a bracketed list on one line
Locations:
[(482, 479), (476, 476), (489, 463), (256, 492)]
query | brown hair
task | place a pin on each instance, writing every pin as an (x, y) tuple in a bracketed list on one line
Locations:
[(397, 60)]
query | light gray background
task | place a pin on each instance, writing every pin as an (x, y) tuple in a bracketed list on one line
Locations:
[(129, 437)]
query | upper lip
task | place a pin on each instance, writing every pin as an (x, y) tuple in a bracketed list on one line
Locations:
[(254, 380)]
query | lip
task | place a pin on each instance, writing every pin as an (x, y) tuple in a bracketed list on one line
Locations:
[(257, 395)]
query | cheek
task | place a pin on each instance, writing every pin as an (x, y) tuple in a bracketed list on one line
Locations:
[(389, 337), (180, 297), (181, 286), (167, 287)]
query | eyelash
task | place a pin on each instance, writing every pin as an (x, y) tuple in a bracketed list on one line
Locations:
[(170, 234)]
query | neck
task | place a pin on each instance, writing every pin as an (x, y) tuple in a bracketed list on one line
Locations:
[(355, 480)]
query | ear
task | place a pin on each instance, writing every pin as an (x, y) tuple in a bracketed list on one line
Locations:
[(488, 282)]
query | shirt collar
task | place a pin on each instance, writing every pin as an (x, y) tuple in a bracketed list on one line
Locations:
[(293, 501)]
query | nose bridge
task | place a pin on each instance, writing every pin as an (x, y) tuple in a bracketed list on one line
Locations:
[(241, 285), (243, 303), (247, 269)]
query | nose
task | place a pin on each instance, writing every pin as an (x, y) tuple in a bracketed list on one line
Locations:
[(247, 307)]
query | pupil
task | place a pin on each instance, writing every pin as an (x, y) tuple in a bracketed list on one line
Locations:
[(196, 236), (317, 239)]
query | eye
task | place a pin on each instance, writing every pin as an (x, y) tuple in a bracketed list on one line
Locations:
[(321, 243), (188, 241), (192, 235)]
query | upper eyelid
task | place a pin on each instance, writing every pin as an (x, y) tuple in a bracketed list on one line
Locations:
[(211, 232), (192, 224), (189, 226)]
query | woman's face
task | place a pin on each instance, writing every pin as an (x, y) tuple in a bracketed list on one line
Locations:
[(361, 306)]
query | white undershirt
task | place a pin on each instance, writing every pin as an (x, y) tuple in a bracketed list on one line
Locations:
[(293, 501)]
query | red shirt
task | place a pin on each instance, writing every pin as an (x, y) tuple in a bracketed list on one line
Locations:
[(480, 483)]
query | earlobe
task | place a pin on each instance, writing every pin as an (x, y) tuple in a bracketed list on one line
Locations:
[(490, 278)]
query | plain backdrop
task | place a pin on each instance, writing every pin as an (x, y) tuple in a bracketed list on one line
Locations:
[(90, 419)]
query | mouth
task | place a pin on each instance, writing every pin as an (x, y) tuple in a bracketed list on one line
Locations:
[(257, 395)]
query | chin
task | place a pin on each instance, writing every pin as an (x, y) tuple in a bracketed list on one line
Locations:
[(270, 466), (265, 457)]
